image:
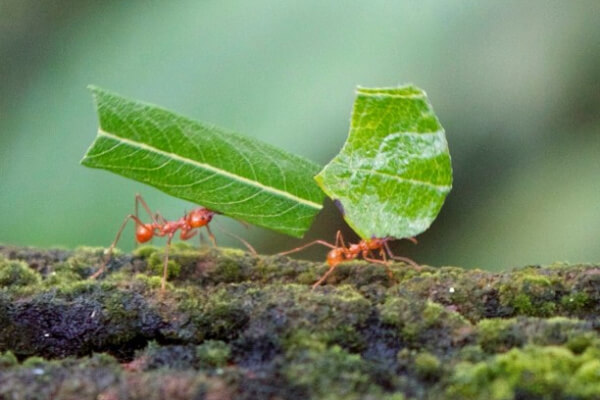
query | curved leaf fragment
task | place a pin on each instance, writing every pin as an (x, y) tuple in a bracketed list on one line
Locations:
[(394, 172), (223, 171)]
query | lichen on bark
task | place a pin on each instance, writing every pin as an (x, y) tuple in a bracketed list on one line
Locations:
[(234, 325)]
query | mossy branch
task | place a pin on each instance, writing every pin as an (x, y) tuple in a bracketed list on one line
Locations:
[(233, 325)]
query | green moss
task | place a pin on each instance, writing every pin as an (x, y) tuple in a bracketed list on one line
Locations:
[(532, 372), (18, 273), (330, 373), (86, 260), (156, 265), (393, 311), (303, 340), (428, 366), (7, 360), (227, 269), (231, 324), (471, 353), (498, 335), (530, 294), (585, 383), (75, 288), (213, 353), (575, 302), (582, 341), (61, 275), (348, 337), (145, 251), (149, 282), (220, 316), (522, 304), (34, 361), (418, 322), (393, 396)]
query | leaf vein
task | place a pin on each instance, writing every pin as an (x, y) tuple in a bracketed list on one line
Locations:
[(207, 167)]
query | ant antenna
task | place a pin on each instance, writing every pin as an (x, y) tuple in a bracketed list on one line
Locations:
[(250, 248)]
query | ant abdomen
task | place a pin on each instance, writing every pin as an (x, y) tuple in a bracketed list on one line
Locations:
[(144, 233), (336, 256)]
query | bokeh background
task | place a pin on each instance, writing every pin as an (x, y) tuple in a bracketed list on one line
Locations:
[(516, 84)]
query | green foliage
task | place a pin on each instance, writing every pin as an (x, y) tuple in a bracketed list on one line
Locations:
[(394, 172), (229, 173)]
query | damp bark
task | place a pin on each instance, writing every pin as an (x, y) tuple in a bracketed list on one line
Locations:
[(236, 326)]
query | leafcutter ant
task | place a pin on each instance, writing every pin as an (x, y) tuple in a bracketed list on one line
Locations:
[(144, 232), (365, 248)]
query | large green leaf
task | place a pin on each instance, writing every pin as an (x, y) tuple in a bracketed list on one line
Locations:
[(394, 172), (223, 171)]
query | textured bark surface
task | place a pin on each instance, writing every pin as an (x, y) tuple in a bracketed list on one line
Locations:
[(235, 326)]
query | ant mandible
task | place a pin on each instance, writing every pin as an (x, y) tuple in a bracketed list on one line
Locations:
[(340, 252), (188, 224)]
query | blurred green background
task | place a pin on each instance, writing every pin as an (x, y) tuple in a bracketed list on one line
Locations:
[(516, 85)]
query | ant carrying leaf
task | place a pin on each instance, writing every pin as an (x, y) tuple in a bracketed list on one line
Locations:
[(365, 248), (391, 177)]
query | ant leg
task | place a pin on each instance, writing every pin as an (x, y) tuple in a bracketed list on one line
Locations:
[(114, 244), (250, 248), (387, 265), (322, 279), (339, 240), (160, 218), (398, 258), (163, 283), (211, 236), (201, 240), (383, 262), (321, 242), (140, 200), (188, 234)]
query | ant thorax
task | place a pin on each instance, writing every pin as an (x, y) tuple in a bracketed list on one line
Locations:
[(355, 248)]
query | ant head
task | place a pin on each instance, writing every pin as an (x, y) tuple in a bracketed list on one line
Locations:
[(376, 243), (144, 233), (199, 217)]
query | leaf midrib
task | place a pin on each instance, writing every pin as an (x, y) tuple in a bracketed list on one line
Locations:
[(409, 180), (208, 167)]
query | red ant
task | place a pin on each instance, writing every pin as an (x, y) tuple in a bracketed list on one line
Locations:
[(365, 248), (159, 226)]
